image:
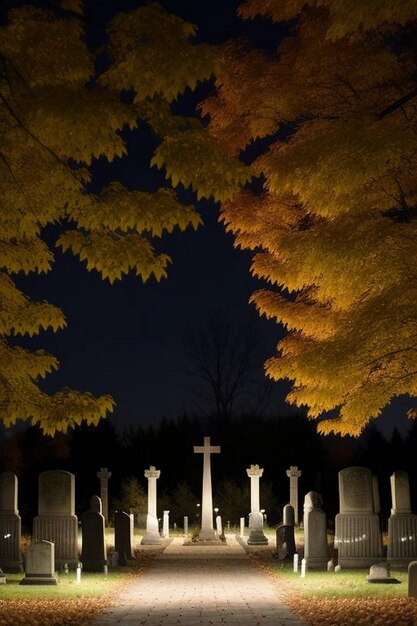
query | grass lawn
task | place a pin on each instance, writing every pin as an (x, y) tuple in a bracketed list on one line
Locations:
[(66, 604), (344, 598)]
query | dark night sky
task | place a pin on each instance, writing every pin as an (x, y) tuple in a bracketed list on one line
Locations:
[(127, 339)]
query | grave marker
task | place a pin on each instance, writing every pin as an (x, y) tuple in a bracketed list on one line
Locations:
[(402, 524), (10, 524), (207, 530), (93, 556), (56, 521), (256, 518), (357, 535), (40, 564), (152, 536), (294, 474)]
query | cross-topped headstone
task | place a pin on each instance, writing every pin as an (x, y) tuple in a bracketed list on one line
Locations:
[(104, 476), (256, 518), (294, 474), (207, 531), (152, 535)]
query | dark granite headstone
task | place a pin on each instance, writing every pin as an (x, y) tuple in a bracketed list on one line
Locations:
[(123, 536), (285, 542), (93, 556)]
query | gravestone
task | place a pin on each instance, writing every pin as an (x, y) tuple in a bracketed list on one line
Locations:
[(10, 524), (380, 574), (165, 525), (288, 515), (207, 530), (412, 579), (402, 524), (103, 475), (256, 518), (40, 564), (93, 555), (357, 532), (56, 519), (285, 542), (375, 494), (123, 536), (294, 474), (152, 536), (316, 551)]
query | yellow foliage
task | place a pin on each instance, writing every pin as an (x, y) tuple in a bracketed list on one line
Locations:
[(335, 225), (57, 116)]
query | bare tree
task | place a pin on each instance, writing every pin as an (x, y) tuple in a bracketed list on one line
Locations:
[(226, 362)]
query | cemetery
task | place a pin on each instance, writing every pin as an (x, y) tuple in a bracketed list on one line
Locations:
[(312, 561)]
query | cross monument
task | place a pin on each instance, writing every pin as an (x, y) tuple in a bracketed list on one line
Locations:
[(207, 531)]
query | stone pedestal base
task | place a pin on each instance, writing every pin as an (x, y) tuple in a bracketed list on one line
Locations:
[(63, 532), (207, 534), (152, 536), (402, 539), (31, 579), (257, 537), (151, 539), (358, 539), (10, 533)]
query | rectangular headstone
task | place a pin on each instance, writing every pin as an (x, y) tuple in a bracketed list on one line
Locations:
[(123, 536), (40, 564), (400, 493), (56, 493), (10, 524), (93, 556), (357, 532), (355, 490), (402, 524), (56, 521)]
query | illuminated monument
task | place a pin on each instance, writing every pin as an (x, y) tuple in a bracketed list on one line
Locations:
[(207, 531)]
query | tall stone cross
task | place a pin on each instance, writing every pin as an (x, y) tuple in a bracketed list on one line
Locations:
[(207, 531), (104, 476), (294, 474)]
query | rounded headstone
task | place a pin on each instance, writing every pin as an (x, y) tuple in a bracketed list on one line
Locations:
[(95, 504), (412, 579), (288, 515)]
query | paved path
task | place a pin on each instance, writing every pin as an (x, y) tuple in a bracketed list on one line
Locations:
[(201, 586)]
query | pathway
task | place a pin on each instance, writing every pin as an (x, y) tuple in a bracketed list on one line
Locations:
[(201, 586)]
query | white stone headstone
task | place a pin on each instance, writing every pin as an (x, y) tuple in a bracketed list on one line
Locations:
[(294, 474), (357, 531), (165, 525), (316, 551), (152, 535), (40, 564), (256, 518)]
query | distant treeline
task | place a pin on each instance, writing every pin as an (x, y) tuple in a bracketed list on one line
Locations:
[(274, 444)]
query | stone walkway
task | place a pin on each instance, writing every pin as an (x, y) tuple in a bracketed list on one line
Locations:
[(201, 586)]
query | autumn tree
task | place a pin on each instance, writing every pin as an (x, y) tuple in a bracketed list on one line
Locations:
[(332, 120), (225, 365), (58, 115)]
